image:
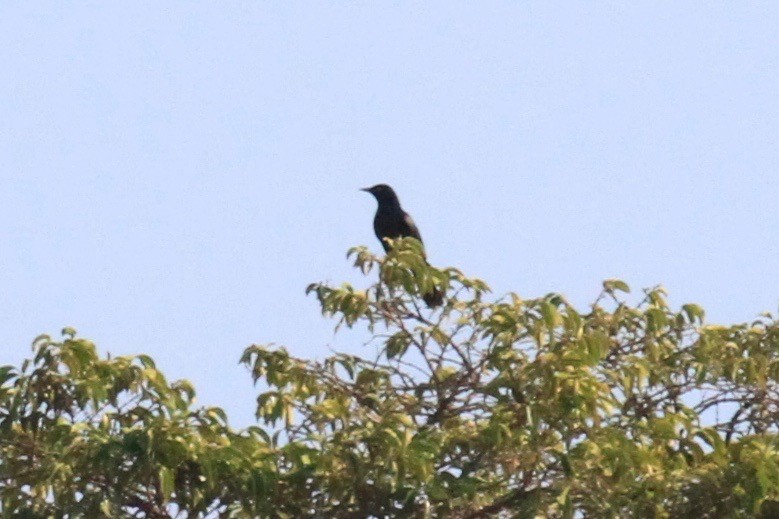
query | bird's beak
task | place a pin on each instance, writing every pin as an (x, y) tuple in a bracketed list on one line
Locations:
[(366, 189)]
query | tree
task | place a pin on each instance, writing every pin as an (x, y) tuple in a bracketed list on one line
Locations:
[(483, 408)]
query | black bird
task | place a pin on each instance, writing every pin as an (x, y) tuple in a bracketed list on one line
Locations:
[(391, 221)]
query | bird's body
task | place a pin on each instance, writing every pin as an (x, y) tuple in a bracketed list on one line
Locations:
[(391, 221)]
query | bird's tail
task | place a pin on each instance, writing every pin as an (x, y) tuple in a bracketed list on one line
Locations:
[(433, 298)]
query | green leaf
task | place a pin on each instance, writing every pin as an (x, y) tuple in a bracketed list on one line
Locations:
[(166, 482), (107, 508), (613, 285), (397, 344), (694, 312)]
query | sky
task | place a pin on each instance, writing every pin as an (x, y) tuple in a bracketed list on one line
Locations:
[(174, 175)]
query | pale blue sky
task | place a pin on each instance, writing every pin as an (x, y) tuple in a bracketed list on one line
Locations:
[(174, 175)]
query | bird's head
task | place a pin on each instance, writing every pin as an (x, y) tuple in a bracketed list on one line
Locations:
[(383, 194)]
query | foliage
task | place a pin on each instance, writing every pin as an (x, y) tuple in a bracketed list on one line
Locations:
[(510, 408)]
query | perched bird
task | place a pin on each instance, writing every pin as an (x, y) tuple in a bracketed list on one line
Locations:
[(391, 221)]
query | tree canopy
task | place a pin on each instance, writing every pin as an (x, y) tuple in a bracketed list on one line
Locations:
[(486, 407)]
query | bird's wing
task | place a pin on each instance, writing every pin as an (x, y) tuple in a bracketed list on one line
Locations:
[(410, 228)]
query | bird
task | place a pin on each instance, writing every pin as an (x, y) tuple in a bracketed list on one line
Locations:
[(391, 221)]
